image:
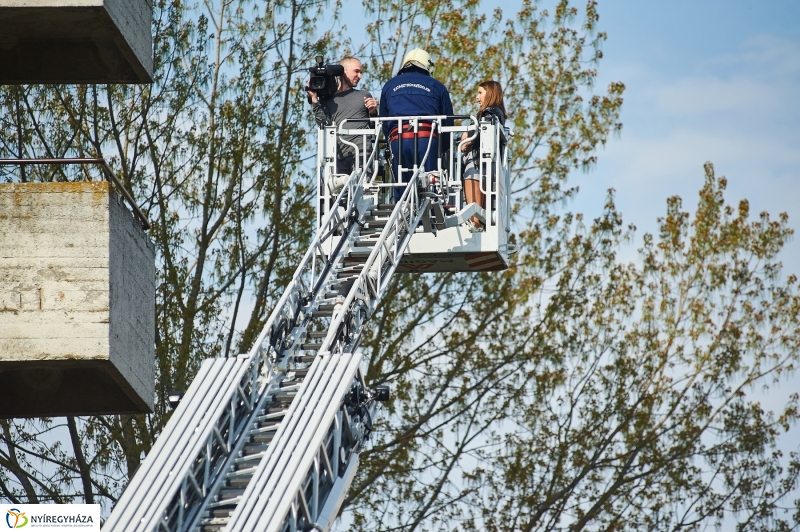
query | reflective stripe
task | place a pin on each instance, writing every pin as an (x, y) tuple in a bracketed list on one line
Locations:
[(422, 134)]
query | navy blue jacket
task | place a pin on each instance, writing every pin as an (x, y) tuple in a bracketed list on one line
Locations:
[(413, 92)]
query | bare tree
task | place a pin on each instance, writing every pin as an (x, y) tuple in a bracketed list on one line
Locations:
[(213, 151)]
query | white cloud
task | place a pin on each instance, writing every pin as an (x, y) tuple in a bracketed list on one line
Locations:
[(763, 54), (739, 110), (696, 96)]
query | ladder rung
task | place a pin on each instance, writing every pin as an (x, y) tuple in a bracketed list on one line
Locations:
[(227, 505), (272, 427), (221, 520), (301, 372), (374, 223), (221, 511), (255, 449), (239, 482), (230, 493), (265, 437), (212, 528), (267, 423), (271, 416), (245, 461), (245, 468), (311, 346), (283, 397)]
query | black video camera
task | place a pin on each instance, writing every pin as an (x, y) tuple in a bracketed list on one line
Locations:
[(323, 78)]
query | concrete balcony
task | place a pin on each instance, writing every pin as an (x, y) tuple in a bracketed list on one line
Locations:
[(76, 41), (77, 302)]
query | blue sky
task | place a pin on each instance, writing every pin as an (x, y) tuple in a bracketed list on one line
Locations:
[(707, 80)]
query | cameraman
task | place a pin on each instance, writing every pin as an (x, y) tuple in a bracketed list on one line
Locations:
[(347, 103)]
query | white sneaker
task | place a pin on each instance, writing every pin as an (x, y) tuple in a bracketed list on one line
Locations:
[(474, 228)]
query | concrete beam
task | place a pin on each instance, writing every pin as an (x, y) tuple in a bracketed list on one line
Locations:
[(77, 303), (76, 41)]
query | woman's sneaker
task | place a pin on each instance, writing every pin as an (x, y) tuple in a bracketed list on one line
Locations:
[(474, 228)]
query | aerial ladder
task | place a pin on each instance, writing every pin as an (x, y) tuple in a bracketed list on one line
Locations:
[(270, 440)]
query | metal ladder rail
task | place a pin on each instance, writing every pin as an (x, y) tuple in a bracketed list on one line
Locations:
[(290, 493), (384, 256), (292, 344), (259, 361), (293, 490), (290, 419), (186, 435), (268, 491), (189, 509), (374, 277), (294, 341)]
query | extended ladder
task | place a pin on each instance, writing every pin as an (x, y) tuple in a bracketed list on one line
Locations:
[(270, 440)]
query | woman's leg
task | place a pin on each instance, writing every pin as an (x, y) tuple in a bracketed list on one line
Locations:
[(472, 191), (469, 191)]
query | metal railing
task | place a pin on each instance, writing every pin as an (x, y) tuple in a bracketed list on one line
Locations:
[(492, 158)]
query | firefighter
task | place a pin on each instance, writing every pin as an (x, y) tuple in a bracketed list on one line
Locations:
[(414, 92)]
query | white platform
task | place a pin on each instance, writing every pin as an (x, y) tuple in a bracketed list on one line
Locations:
[(448, 249), (455, 249)]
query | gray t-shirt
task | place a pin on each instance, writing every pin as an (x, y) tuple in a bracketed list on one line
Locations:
[(347, 105)]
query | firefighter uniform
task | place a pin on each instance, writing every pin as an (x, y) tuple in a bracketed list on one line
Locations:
[(414, 92)]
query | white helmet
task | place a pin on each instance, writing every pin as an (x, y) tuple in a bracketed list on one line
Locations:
[(418, 57)]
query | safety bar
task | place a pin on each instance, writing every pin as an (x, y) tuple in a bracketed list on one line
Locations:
[(376, 132), (364, 141), (86, 160)]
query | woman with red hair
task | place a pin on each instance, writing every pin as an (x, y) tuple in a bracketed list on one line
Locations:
[(491, 107)]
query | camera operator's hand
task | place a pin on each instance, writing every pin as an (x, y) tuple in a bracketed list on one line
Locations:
[(312, 96), (372, 105)]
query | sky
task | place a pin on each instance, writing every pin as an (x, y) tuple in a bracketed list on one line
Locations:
[(706, 80)]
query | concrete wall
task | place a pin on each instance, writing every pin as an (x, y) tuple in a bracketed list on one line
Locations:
[(132, 301), (76, 41), (77, 308)]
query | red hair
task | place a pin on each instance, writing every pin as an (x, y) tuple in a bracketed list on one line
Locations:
[(494, 96)]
